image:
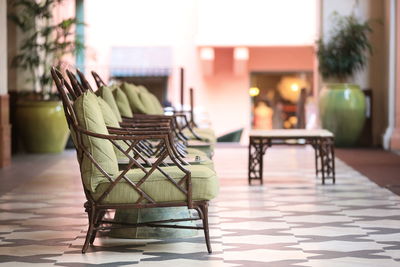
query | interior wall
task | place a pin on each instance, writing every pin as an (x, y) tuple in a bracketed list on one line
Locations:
[(11, 52), (228, 100), (281, 58), (256, 22), (378, 70), (3, 47), (187, 26), (5, 127)]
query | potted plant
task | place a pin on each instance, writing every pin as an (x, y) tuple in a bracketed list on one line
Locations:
[(342, 103), (40, 118)]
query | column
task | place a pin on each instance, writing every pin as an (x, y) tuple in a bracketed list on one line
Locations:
[(5, 128), (80, 34), (395, 87)]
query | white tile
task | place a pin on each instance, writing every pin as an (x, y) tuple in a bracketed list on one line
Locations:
[(336, 245)]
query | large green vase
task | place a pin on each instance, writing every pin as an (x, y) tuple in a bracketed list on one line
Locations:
[(42, 126), (342, 111)]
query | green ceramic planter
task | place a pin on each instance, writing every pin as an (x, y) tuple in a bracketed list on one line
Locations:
[(342, 111), (42, 126)]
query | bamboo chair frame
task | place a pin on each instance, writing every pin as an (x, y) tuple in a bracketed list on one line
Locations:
[(96, 208)]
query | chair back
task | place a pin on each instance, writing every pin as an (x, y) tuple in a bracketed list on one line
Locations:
[(68, 96), (84, 81), (76, 85), (98, 80), (95, 154)]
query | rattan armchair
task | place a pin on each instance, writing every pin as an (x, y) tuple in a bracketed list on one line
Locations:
[(140, 120), (107, 187)]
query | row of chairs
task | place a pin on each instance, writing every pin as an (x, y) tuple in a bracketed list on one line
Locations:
[(131, 156)]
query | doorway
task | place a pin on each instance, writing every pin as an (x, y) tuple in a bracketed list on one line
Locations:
[(276, 101)]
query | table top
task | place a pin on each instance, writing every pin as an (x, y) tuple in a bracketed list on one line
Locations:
[(291, 133)]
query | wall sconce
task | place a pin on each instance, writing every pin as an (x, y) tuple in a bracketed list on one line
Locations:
[(207, 53), (241, 53)]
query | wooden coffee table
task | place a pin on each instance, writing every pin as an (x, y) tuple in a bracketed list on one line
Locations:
[(321, 140)]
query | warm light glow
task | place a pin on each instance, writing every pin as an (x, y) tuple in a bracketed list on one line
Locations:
[(241, 53), (254, 91), (207, 53), (289, 87), (293, 120), (294, 87)]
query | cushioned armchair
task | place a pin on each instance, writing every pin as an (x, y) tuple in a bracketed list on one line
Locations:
[(135, 104), (140, 183), (115, 103)]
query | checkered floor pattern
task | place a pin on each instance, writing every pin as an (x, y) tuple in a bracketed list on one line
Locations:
[(292, 220)]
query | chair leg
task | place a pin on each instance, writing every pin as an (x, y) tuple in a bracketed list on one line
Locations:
[(89, 235), (99, 217), (204, 209)]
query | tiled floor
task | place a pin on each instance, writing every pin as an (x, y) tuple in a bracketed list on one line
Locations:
[(290, 221)]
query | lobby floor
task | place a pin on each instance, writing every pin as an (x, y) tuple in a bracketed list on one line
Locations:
[(292, 220)]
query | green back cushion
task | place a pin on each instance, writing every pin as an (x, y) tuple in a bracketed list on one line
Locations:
[(109, 118), (156, 104), (132, 93), (142, 88), (90, 117), (148, 103), (106, 93), (111, 121), (114, 86), (122, 103)]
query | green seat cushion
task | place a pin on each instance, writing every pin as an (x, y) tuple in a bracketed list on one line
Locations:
[(107, 95), (132, 93), (204, 186), (208, 131), (205, 131), (205, 135), (206, 162), (123, 103), (195, 152), (208, 150), (90, 117)]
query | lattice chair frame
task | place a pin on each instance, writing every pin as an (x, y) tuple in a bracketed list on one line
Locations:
[(96, 208)]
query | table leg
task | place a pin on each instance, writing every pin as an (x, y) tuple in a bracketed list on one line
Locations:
[(327, 157), (332, 150), (257, 148), (315, 145), (322, 155)]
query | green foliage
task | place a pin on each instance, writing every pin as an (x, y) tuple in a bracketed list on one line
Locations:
[(347, 50), (44, 42)]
